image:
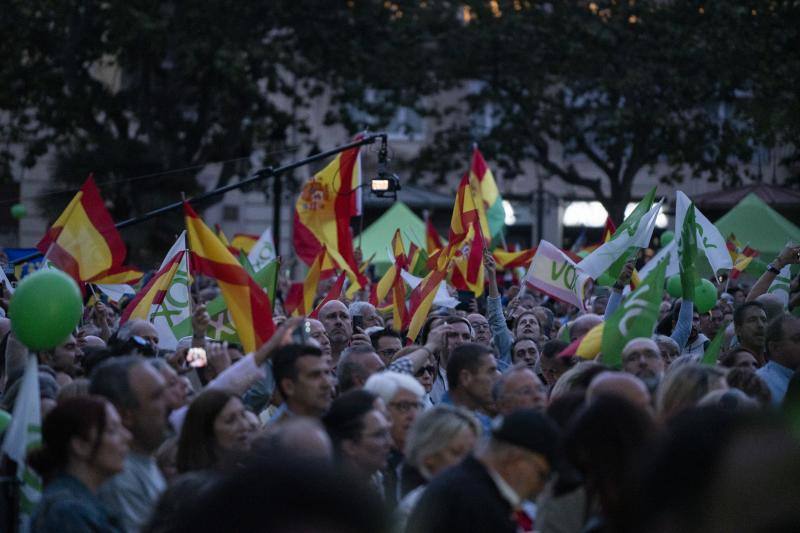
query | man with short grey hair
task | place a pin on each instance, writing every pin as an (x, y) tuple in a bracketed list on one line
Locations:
[(642, 358), (519, 388), (369, 315), (356, 364), (137, 390)]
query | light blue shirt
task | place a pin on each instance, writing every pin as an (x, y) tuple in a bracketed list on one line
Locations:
[(777, 378)]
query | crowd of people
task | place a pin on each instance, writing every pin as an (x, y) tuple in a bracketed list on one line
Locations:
[(482, 424)]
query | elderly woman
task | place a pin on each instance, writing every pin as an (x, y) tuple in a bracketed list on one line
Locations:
[(403, 396), (441, 437)]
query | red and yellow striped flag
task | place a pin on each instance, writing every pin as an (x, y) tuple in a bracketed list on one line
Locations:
[(587, 346), (324, 208), (508, 260), (421, 301), (393, 281), (249, 305), (84, 243), (468, 262), (244, 242), (154, 292), (334, 293), (433, 241)]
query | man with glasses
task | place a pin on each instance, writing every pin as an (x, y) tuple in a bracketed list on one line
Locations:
[(386, 342), (489, 491), (481, 329), (402, 395), (519, 388), (642, 358)]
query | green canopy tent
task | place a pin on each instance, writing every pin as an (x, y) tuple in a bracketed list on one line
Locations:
[(756, 223), (377, 238)]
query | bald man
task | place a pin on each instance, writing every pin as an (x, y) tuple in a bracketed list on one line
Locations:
[(642, 358), (336, 319), (623, 385)]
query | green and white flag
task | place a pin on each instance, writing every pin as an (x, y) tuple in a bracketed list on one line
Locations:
[(634, 233), (780, 285), (710, 241), (221, 326), (687, 251), (170, 316), (23, 435), (263, 251), (636, 317)]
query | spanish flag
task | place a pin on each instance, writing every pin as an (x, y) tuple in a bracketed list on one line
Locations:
[(393, 281), (433, 241), (509, 260), (244, 242), (84, 243), (324, 208), (334, 293), (154, 292), (587, 346), (485, 188), (249, 305), (468, 262), (421, 301)]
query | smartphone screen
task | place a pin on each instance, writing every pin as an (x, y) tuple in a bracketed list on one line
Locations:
[(358, 323)]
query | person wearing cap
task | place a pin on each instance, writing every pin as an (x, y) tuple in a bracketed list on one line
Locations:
[(486, 491)]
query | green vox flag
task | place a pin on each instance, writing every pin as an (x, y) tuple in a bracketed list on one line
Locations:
[(629, 226), (221, 326), (635, 317), (687, 250), (711, 354)]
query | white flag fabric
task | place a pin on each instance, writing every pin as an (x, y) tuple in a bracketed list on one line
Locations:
[(168, 316), (115, 291), (23, 434), (263, 251), (780, 285), (603, 257), (709, 240), (442, 297), (670, 252), (555, 274)]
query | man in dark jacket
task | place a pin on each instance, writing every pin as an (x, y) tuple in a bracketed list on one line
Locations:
[(485, 492)]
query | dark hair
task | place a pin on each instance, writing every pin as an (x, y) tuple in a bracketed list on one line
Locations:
[(739, 312), (385, 332), (284, 362), (81, 416), (112, 380), (547, 327), (604, 442), (465, 357), (197, 448), (304, 494), (552, 348), (750, 383), (180, 499), (522, 314), (728, 359), (774, 331), (345, 419)]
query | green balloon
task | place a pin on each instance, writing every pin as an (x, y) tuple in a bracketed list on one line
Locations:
[(45, 308), (705, 295), (667, 237), (674, 286), (19, 211)]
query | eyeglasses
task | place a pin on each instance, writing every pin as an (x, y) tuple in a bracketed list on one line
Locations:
[(481, 326), (430, 369), (405, 407), (388, 352)]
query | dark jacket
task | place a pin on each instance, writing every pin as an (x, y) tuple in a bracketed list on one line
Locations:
[(464, 498), (68, 506)]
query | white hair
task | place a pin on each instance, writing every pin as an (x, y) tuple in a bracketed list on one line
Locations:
[(387, 384), (357, 308)]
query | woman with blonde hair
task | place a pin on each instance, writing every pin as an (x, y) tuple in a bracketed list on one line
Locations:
[(684, 387)]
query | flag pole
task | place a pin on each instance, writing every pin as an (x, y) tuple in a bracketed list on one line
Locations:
[(259, 175)]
